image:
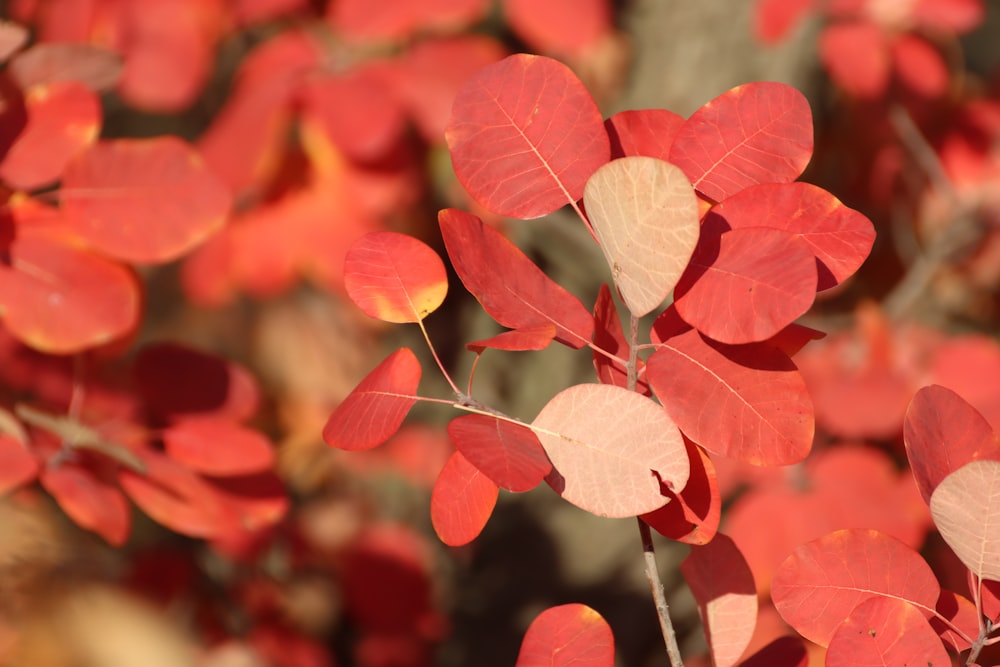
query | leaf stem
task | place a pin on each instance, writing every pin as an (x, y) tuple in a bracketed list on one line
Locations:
[(437, 360), (648, 551)]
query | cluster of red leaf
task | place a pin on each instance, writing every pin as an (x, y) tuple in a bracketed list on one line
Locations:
[(869, 46), (705, 208)]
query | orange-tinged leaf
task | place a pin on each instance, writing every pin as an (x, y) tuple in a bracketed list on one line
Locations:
[(693, 515), (92, 502), (143, 200), (724, 589), (507, 453), (755, 133), (966, 509), (525, 135), (645, 215), (378, 405), (63, 117), (747, 402), (822, 581), (394, 277), (838, 236), (18, 466), (571, 635), (175, 497), (610, 448), (746, 285), (942, 432), (462, 501), (217, 446), (509, 286), (886, 631), (59, 298)]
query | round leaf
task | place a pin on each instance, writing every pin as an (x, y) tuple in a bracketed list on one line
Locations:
[(218, 447), (610, 448), (394, 277), (645, 214), (886, 631), (507, 453), (143, 200), (462, 501), (525, 135), (966, 509), (571, 635)]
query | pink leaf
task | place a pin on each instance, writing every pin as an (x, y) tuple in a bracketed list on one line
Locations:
[(509, 286), (819, 585), (755, 133), (525, 135), (462, 501), (378, 405), (966, 509), (645, 215), (746, 285), (507, 453), (572, 635), (724, 589), (610, 448)]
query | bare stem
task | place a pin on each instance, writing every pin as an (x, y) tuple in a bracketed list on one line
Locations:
[(648, 551), (659, 597), (437, 360)]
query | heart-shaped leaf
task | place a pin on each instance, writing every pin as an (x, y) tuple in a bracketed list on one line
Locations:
[(645, 214)]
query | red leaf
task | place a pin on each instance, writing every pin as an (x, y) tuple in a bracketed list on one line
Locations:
[(746, 402), (645, 216), (59, 298), (885, 631), (431, 73), (62, 118), (394, 20), (525, 135), (563, 27), (958, 16), (755, 133), (966, 511), (176, 382), (48, 63), (218, 446), (647, 132), (508, 454), (942, 433), (819, 585), (608, 336), (378, 405), (258, 501), (571, 635), (857, 57), (394, 277), (610, 449), (526, 338), (693, 515), (838, 236), (919, 66), (961, 613), (18, 466), (143, 200), (462, 501), (746, 285), (726, 595), (509, 286), (774, 19), (175, 497), (793, 338), (90, 501), (365, 130)]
